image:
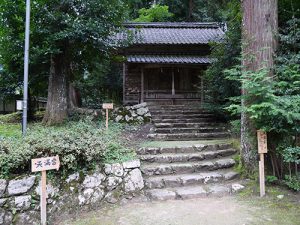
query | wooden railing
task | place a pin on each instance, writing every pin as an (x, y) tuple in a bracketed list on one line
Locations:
[(167, 94)]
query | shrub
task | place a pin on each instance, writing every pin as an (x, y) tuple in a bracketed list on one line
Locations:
[(78, 144), (11, 118), (292, 182), (271, 179)]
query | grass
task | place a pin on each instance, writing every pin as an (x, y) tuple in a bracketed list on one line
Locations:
[(169, 144), (10, 130)]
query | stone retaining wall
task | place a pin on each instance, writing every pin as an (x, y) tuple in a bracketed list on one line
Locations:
[(19, 198), (136, 114)]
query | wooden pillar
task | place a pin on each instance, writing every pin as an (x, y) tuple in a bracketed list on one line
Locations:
[(202, 91), (43, 198), (142, 85), (173, 82), (124, 81)]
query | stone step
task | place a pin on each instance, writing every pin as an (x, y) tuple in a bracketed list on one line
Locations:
[(188, 136), (183, 120), (186, 167), (188, 125), (187, 192), (188, 130), (177, 106), (179, 111), (182, 116), (165, 181), (186, 157), (187, 149)]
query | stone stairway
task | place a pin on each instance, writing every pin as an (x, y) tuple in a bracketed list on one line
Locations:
[(184, 122), (187, 169), (188, 172)]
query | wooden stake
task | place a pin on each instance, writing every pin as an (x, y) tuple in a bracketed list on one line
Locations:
[(106, 119), (262, 175), (42, 165), (43, 198)]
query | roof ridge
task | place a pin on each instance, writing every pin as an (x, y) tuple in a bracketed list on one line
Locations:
[(168, 54), (173, 24)]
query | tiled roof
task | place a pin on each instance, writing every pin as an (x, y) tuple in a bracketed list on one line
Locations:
[(169, 59), (171, 33)]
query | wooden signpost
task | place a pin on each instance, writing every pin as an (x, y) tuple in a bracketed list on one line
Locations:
[(44, 164), (262, 149), (107, 106)]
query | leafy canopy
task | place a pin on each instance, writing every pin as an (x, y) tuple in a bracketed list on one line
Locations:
[(78, 29), (156, 13)]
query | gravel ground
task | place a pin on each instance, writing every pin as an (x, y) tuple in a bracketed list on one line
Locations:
[(207, 211)]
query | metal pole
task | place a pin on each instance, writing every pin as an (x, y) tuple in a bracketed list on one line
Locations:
[(26, 59)]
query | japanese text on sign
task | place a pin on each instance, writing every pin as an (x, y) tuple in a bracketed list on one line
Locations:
[(108, 106), (262, 141), (47, 163)]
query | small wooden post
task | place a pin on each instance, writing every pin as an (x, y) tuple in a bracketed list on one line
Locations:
[(202, 91), (107, 106), (44, 198), (42, 165), (262, 175), (173, 82), (106, 123), (262, 149), (124, 81), (142, 85)]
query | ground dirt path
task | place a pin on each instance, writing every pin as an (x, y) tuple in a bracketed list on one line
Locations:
[(202, 211)]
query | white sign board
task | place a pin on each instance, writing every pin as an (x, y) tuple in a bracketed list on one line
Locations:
[(19, 104), (108, 106), (47, 163)]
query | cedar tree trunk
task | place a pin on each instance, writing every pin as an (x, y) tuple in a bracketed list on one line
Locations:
[(191, 10), (259, 32), (57, 102)]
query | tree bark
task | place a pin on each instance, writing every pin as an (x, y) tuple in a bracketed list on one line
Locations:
[(191, 10), (74, 97), (57, 102), (259, 32)]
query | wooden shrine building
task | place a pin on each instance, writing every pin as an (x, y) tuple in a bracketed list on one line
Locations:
[(164, 61)]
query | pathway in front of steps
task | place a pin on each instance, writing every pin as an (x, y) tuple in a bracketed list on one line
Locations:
[(205, 211)]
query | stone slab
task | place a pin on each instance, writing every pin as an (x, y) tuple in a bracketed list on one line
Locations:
[(20, 186), (161, 194), (191, 192)]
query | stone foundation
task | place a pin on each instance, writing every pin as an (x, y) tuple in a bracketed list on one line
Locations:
[(19, 198), (136, 114)]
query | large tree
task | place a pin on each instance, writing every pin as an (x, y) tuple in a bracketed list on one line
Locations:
[(67, 38), (259, 37)]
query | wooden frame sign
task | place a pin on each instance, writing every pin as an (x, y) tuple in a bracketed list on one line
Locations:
[(107, 106), (262, 149), (262, 141), (42, 165)]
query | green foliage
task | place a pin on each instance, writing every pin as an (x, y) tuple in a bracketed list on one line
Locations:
[(226, 52), (292, 182), (79, 30), (79, 145), (269, 108), (156, 13), (10, 130), (115, 152), (291, 155), (102, 83), (11, 118), (271, 179), (235, 126)]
